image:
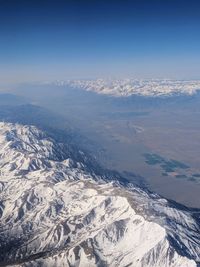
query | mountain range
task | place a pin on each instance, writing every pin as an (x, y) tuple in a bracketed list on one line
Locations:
[(129, 87), (55, 210)]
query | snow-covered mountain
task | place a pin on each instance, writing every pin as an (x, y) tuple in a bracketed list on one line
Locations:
[(53, 212), (128, 87)]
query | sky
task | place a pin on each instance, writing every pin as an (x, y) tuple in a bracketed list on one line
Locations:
[(49, 40)]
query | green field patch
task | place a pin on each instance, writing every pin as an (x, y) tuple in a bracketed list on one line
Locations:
[(181, 176), (197, 175), (168, 169), (178, 164), (192, 179), (168, 166), (165, 174), (153, 159)]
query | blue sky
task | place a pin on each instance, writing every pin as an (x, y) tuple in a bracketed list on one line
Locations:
[(47, 40)]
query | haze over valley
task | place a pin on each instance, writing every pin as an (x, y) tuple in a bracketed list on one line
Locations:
[(121, 131)]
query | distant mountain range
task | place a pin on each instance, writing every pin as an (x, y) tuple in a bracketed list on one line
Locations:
[(128, 87), (55, 211)]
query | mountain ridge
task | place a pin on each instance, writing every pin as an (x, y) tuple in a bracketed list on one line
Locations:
[(131, 87), (55, 213)]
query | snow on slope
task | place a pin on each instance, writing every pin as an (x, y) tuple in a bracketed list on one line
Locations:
[(128, 87), (54, 214)]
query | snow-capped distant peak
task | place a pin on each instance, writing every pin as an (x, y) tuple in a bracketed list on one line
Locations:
[(128, 87)]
